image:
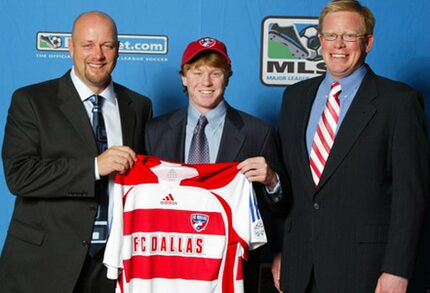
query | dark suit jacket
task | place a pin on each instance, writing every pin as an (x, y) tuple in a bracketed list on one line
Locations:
[(243, 136), (48, 155), (366, 214)]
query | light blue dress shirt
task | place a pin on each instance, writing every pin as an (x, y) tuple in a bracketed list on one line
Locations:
[(213, 129), (349, 86)]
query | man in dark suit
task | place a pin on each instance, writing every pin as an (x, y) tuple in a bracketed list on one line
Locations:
[(231, 135), (356, 215), (54, 167)]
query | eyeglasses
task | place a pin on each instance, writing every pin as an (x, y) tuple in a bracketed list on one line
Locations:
[(345, 37)]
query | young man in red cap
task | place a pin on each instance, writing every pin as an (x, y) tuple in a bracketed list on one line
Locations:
[(229, 134)]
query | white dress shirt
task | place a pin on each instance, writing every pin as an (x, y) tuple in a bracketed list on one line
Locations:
[(111, 117)]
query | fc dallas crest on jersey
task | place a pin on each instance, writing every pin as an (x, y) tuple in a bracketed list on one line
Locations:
[(199, 221), (179, 233)]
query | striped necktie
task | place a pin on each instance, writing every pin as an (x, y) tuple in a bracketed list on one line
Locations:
[(199, 148), (98, 122), (325, 133), (100, 227)]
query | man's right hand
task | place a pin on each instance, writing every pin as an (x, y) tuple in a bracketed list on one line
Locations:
[(276, 272), (116, 159)]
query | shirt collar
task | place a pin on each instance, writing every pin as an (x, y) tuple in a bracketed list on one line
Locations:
[(348, 83), (214, 116), (85, 92)]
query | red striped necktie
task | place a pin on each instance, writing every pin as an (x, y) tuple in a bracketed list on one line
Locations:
[(325, 133)]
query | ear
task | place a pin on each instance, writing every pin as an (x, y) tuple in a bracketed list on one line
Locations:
[(184, 80), (71, 49), (320, 38), (117, 49), (369, 43)]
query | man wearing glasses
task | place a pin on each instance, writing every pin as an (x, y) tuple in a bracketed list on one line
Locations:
[(355, 150)]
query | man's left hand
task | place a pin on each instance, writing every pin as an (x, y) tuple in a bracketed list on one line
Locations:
[(256, 169), (388, 283)]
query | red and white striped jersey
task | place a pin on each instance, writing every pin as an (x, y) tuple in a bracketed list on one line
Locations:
[(182, 228)]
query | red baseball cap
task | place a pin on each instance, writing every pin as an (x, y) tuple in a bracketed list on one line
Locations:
[(204, 44)]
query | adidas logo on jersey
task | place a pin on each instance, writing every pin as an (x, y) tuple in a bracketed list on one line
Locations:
[(168, 200)]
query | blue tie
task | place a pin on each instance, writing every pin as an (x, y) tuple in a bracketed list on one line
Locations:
[(199, 148), (100, 228), (98, 123)]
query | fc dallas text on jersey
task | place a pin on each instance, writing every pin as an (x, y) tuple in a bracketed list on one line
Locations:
[(147, 244)]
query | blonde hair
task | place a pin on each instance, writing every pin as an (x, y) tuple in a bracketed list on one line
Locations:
[(353, 6), (209, 58)]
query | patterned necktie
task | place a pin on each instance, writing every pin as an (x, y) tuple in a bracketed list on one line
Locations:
[(199, 149), (325, 133), (100, 231), (98, 122)]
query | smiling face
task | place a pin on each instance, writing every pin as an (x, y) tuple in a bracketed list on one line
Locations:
[(94, 49), (205, 86), (343, 58)]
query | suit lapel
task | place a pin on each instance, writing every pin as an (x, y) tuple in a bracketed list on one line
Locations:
[(127, 115), (175, 135), (232, 139), (71, 106), (358, 116)]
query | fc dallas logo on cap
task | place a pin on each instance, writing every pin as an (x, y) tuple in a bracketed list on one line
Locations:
[(199, 221), (207, 42)]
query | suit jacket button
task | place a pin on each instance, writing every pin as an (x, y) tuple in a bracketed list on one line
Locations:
[(316, 206), (85, 243)]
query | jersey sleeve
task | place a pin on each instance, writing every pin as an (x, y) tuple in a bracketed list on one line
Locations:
[(246, 217), (113, 252)]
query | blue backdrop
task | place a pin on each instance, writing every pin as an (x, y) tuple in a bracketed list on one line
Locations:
[(401, 52)]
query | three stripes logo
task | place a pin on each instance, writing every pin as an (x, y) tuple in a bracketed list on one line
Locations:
[(168, 200)]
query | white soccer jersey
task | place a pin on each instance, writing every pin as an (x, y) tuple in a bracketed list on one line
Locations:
[(182, 228)]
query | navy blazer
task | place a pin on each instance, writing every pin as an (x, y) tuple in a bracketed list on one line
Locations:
[(366, 214), (243, 136)]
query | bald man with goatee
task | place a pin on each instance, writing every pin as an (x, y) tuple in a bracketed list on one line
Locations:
[(61, 170)]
